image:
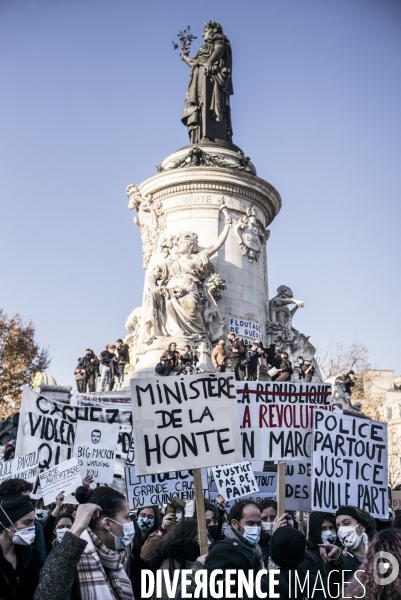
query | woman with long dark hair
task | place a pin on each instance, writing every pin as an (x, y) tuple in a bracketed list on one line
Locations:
[(90, 561), (147, 522)]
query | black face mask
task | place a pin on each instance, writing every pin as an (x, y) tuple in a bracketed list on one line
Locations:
[(212, 531)]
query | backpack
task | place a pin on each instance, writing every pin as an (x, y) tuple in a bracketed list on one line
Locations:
[(159, 368)]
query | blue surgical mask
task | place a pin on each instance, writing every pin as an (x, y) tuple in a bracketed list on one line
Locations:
[(126, 539), (145, 523), (251, 534)]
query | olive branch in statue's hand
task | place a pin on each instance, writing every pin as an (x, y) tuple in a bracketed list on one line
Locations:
[(186, 38)]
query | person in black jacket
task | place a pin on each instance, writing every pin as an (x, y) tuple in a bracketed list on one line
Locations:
[(91, 366), (122, 351), (322, 529), (80, 376), (287, 551), (236, 353), (285, 369), (108, 361), (306, 369), (148, 521), (20, 563)]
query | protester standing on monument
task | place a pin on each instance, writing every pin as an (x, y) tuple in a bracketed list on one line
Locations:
[(219, 357), (122, 352), (171, 360), (91, 559), (236, 354), (306, 369), (20, 562), (189, 358), (91, 366), (80, 376), (285, 370), (107, 360), (251, 362)]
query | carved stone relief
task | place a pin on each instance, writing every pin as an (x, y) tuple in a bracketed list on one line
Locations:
[(149, 218), (250, 235), (196, 157)]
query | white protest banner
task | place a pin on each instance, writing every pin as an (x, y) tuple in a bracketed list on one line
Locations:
[(244, 328), (79, 399), (349, 464), (189, 421), (144, 490), (65, 477), (395, 500), (50, 426), (23, 467), (95, 447), (235, 480), (276, 419), (297, 488)]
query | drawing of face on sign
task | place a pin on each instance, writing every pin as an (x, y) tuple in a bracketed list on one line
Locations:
[(96, 435)]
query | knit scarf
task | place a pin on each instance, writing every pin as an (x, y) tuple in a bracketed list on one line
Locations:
[(101, 571)]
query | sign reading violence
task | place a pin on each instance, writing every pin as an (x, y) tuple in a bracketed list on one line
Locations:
[(276, 419), (349, 464), (160, 488), (50, 427), (189, 421), (95, 447)]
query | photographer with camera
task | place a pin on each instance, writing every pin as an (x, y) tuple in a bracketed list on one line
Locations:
[(306, 369), (171, 360), (236, 354)]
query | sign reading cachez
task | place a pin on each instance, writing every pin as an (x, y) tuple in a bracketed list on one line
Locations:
[(246, 329), (189, 421)]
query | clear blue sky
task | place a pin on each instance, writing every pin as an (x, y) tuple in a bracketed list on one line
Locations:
[(90, 101)]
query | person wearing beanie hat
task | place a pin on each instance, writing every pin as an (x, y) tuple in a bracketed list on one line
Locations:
[(322, 529), (287, 551), (20, 563), (354, 529)]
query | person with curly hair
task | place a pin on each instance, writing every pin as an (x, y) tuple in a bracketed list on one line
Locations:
[(370, 586)]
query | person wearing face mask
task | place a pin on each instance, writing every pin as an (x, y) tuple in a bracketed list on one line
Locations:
[(354, 529), (287, 551), (179, 549), (147, 522), (268, 510), (306, 369), (20, 562), (322, 530), (63, 523), (90, 561), (244, 525), (213, 524)]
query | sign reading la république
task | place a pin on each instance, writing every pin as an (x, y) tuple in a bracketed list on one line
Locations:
[(247, 329), (190, 422), (349, 464), (276, 419)]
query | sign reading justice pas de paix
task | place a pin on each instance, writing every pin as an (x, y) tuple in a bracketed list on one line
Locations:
[(189, 421)]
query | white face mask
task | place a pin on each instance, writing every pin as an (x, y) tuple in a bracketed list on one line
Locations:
[(24, 537), (60, 533), (126, 539), (349, 537), (267, 527), (328, 537), (251, 534)]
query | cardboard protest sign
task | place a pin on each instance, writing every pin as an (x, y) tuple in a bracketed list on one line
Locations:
[(297, 488), (349, 464), (23, 467), (189, 421), (145, 490), (276, 419), (95, 447), (65, 477), (235, 480), (50, 426), (395, 500)]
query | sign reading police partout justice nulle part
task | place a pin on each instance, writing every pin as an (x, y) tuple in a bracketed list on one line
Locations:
[(189, 421)]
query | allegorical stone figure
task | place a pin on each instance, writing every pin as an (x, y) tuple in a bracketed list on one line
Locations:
[(207, 103), (181, 301)]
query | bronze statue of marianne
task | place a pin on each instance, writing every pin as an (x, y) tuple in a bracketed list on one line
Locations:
[(207, 103)]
